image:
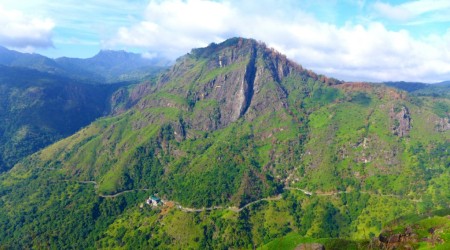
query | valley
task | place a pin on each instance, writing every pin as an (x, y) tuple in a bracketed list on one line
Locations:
[(41, 103)]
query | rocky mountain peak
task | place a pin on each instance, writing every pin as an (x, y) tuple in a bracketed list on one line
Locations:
[(241, 77), (237, 50), (114, 54)]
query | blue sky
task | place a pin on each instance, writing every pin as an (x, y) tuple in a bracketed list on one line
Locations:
[(347, 39)]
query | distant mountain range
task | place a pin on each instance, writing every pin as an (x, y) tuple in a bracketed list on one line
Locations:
[(419, 88), (107, 66)]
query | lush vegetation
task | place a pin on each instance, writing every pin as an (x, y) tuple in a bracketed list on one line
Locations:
[(37, 109), (236, 125)]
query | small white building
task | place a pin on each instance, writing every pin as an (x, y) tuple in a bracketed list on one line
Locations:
[(153, 201)]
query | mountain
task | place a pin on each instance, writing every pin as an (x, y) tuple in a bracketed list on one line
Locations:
[(441, 89), (32, 61), (445, 83), (245, 147), (37, 109), (107, 66), (230, 88), (111, 66), (408, 86)]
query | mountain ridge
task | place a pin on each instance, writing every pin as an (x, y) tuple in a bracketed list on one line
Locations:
[(106, 66)]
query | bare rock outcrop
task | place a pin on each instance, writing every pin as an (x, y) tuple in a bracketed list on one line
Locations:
[(443, 124), (400, 121), (310, 246), (390, 240)]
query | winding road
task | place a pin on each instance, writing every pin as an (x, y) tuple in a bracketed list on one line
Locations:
[(330, 193), (123, 192), (110, 195), (234, 209), (239, 209)]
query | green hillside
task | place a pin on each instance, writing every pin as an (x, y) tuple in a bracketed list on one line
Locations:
[(250, 149), (37, 109)]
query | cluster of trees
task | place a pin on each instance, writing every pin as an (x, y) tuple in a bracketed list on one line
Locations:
[(50, 212)]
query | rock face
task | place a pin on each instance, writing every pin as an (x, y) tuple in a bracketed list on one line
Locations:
[(124, 98), (443, 124), (239, 78), (389, 240), (401, 121)]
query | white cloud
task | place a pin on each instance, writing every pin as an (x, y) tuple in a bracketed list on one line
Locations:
[(149, 55), (369, 52), (392, 12), (174, 26), (420, 7), (417, 12), (24, 32)]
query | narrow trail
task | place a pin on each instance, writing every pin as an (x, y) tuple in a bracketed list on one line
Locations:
[(331, 193), (184, 209), (234, 209), (198, 210), (87, 182), (110, 195), (123, 192), (299, 189), (239, 209), (276, 198)]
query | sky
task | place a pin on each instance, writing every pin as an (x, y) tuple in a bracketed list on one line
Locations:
[(353, 40)]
